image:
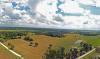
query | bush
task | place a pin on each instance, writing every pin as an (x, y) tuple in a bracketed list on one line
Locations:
[(28, 39), (36, 44), (10, 46)]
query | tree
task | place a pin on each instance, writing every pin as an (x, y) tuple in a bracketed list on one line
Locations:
[(62, 52), (12, 47), (36, 44), (9, 44), (86, 47), (90, 47), (30, 44), (50, 45), (28, 38), (52, 54), (68, 55)]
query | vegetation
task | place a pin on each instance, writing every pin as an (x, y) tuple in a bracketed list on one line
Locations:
[(10, 46), (92, 55), (27, 38), (50, 33), (8, 35), (31, 43), (21, 46), (73, 54), (66, 43), (56, 43), (50, 46), (36, 44), (5, 54)]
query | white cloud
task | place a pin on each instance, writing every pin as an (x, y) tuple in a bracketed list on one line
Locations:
[(44, 15), (88, 2), (71, 7)]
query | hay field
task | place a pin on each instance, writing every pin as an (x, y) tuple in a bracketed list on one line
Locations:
[(29, 52)]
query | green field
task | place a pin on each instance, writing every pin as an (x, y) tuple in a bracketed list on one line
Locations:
[(66, 43), (94, 40)]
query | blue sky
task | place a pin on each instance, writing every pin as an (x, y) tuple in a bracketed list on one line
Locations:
[(20, 7), (68, 14), (93, 9)]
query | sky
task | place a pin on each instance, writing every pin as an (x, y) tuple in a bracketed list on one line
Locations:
[(63, 14)]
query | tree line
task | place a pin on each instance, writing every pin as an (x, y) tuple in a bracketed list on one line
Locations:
[(50, 33)]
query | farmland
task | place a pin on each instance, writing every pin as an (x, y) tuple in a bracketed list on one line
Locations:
[(23, 48), (15, 39), (29, 52)]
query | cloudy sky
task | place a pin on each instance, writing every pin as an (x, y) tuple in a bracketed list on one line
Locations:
[(63, 14)]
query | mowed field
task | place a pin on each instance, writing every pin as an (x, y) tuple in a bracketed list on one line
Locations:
[(5, 54), (29, 52)]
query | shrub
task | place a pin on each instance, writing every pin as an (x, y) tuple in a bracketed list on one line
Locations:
[(28, 39)]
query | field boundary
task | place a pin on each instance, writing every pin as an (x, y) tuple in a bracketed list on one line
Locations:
[(11, 51), (86, 54)]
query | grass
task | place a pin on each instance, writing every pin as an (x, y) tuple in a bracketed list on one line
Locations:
[(30, 52), (94, 40), (5, 54), (67, 42), (91, 55)]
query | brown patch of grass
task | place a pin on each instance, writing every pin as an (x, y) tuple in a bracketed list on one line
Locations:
[(4, 55), (29, 52)]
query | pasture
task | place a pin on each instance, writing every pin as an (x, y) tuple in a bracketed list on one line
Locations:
[(30, 52)]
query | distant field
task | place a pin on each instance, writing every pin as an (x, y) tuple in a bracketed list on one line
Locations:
[(5, 54), (29, 52), (14, 30)]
